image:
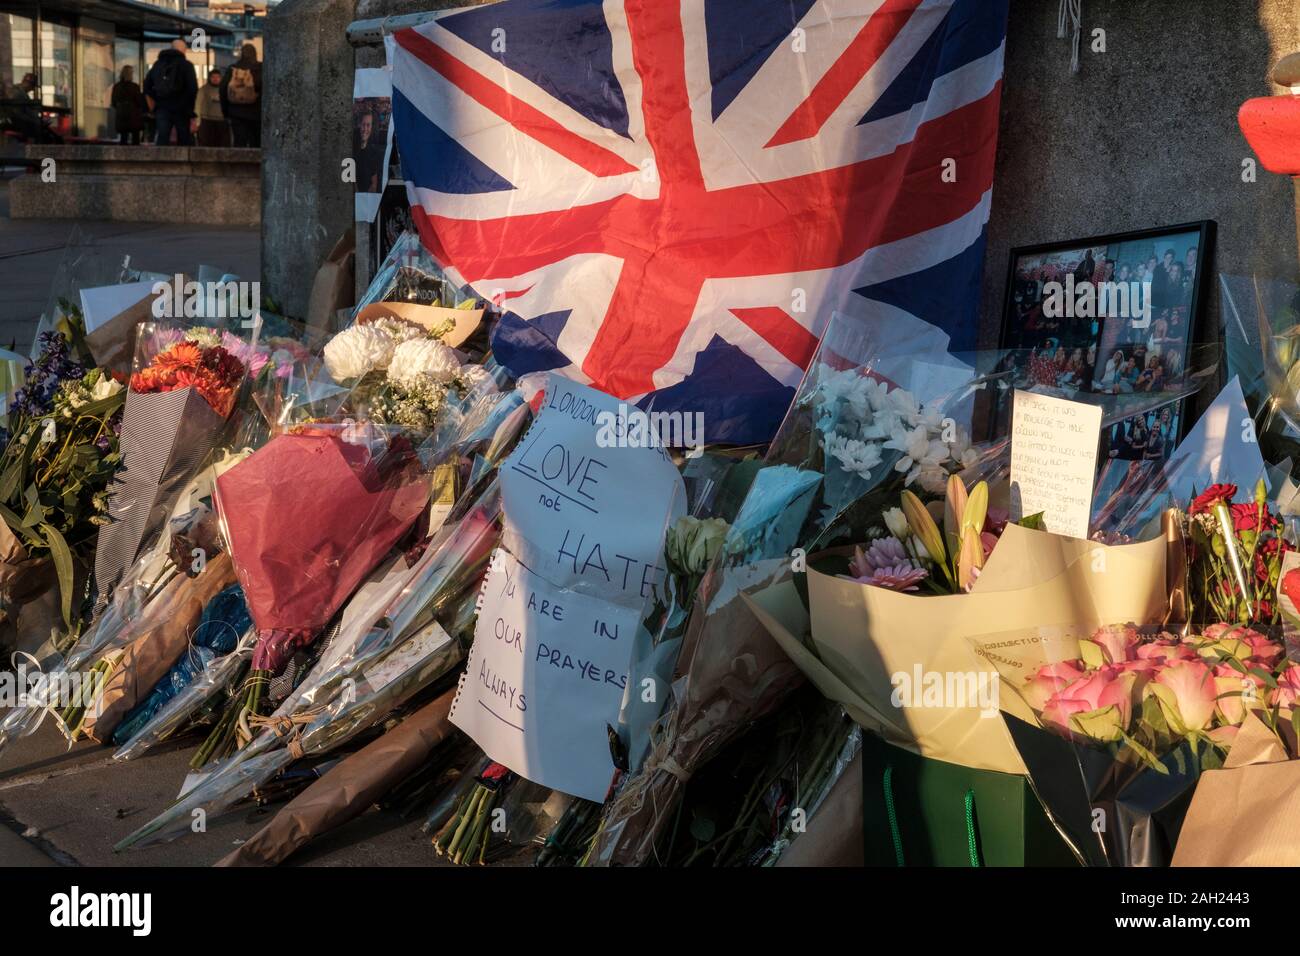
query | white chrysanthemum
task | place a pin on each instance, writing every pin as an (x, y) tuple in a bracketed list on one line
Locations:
[(853, 455), (422, 360), (357, 350)]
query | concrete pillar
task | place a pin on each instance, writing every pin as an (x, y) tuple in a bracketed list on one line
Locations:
[(306, 135)]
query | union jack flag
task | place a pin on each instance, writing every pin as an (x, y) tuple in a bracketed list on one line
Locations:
[(669, 198)]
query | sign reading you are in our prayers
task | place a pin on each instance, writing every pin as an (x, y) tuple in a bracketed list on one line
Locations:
[(581, 550)]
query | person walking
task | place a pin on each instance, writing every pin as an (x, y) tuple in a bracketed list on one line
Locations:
[(128, 107), (241, 98), (170, 88), (213, 130)]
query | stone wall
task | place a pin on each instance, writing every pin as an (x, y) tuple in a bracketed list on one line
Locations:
[(172, 184), (306, 135), (1143, 135)]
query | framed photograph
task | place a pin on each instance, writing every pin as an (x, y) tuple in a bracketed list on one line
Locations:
[(1113, 314)]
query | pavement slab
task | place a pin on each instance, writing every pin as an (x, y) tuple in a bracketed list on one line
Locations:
[(74, 804)]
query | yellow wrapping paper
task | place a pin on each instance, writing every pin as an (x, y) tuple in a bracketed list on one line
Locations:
[(860, 635)]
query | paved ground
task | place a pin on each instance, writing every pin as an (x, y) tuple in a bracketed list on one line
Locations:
[(32, 249), (68, 808)]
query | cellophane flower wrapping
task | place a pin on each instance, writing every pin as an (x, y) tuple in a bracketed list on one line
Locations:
[(307, 517), (1115, 726), (183, 388)]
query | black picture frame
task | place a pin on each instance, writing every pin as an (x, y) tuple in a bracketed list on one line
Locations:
[(1012, 337)]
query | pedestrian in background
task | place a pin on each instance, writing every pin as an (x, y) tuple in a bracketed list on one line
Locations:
[(128, 108), (213, 130), (170, 88), (241, 98)]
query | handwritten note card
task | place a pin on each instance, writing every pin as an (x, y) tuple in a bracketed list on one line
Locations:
[(584, 515), (1054, 461), (545, 675), (582, 547)]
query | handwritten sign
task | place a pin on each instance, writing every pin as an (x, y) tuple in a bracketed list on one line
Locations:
[(545, 675), (1054, 461), (588, 518)]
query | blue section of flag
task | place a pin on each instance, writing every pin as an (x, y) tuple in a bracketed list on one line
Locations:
[(525, 346), (946, 294), (741, 403), (433, 160), (971, 29), (561, 45), (741, 35)]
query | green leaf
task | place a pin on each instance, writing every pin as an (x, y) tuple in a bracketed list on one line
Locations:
[(62, 557), (1033, 522)]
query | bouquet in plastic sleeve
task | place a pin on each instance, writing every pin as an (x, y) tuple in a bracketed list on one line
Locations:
[(400, 372), (1116, 726), (224, 622), (183, 389), (57, 458), (388, 681), (306, 518)]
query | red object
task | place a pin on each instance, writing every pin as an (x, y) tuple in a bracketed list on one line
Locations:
[(1211, 496), (1271, 125), (308, 517)]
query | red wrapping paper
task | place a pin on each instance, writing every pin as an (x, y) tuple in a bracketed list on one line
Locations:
[(308, 517)]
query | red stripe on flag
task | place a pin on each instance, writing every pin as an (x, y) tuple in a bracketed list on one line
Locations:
[(595, 159), (780, 330), (880, 30)]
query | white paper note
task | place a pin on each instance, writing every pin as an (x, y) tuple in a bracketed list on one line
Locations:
[(1054, 461), (544, 678), (585, 516)]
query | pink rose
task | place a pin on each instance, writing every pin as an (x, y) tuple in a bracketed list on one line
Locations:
[(1061, 670), (1118, 643), (1098, 706), (1186, 692), (1059, 710), (1264, 650), (1288, 688), (1166, 650)]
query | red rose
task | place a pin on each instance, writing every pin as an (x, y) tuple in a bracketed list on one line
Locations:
[(1246, 517), (1211, 496), (1290, 585)]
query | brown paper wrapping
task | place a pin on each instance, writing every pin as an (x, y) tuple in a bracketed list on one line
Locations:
[(30, 605), (332, 289), (148, 658), (834, 834), (347, 789), (429, 316), (737, 675), (113, 343), (1248, 813)]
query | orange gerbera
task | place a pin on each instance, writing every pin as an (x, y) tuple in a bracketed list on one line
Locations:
[(183, 353)]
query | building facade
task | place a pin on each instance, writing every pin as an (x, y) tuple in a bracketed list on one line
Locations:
[(76, 49)]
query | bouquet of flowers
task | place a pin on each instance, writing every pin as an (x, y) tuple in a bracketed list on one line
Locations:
[(401, 373), (183, 389), (300, 554), (1235, 553), (55, 465), (1134, 715)]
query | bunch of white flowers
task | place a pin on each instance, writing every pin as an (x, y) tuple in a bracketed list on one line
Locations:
[(859, 417), (364, 348), (422, 360)]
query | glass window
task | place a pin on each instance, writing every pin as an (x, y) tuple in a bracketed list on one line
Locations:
[(56, 65), (94, 78), (16, 59)]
